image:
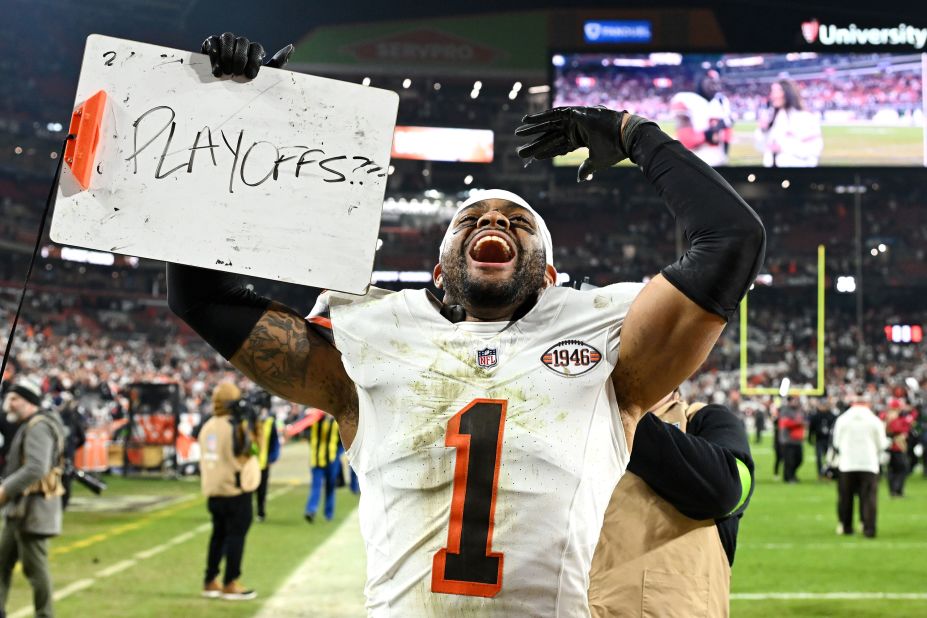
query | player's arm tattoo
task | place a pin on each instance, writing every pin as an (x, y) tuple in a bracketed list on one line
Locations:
[(290, 360), (276, 353)]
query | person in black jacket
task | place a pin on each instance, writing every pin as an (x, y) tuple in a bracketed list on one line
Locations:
[(76, 429), (820, 428)]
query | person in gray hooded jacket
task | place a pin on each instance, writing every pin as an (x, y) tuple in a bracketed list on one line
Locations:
[(30, 493)]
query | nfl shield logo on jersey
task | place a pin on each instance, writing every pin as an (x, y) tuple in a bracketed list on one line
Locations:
[(486, 357)]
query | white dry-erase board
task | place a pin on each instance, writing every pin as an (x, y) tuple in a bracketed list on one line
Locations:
[(279, 177)]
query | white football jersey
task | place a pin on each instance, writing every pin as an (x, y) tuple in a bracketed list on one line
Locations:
[(700, 114), (486, 451)]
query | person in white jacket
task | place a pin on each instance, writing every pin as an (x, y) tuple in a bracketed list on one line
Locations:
[(859, 440), (788, 135)]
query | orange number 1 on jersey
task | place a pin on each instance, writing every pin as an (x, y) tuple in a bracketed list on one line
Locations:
[(468, 565)]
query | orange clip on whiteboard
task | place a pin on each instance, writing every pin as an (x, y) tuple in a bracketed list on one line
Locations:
[(80, 153)]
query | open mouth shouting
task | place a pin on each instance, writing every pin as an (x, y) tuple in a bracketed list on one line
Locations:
[(491, 249)]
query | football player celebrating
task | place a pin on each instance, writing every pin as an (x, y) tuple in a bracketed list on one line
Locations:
[(485, 426), (704, 123)]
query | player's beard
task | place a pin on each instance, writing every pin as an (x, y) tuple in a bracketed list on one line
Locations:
[(530, 267)]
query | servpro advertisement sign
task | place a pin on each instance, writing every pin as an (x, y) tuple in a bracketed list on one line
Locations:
[(832, 34)]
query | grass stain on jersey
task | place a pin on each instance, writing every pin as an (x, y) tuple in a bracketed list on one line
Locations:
[(401, 347)]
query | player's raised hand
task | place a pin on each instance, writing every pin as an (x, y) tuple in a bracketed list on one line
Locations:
[(564, 129), (236, 55)]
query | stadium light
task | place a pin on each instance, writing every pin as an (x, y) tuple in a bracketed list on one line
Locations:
[(18, 150), (365, 81), (477, 85), (512, 95), (516, 87), (846, 284), (86, 256), (751, 177), (784, 387), (406, 82), (882, 248), (468, 179), (786, 184), (391, 170), (437, 86), (538, 89), (558, 60), (474, 93), (874, 252)]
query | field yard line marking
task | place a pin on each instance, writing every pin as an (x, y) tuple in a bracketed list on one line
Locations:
[(82, 584), (115, 568), (839, 545), (330, 580), (72, 588), (833, 596), (279, 492), (179, 505), (66, 591), (182, 538)]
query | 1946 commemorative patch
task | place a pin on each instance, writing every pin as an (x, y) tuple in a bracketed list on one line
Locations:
[(571, 357)]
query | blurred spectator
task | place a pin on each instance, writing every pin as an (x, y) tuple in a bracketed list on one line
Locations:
[(268, 451), (759, 423), (792, 438), (898, 428), (820, 428), (76, 429), (31, 494), (325, 462), (859, 439), (228, 473)]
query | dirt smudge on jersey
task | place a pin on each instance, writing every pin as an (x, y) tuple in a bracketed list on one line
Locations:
[(401, 347)]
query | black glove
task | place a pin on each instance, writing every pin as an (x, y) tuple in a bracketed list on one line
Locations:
[(231, 55), (565, 129), (714, 132)]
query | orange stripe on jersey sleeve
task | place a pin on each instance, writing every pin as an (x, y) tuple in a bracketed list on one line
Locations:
[(320, 321)]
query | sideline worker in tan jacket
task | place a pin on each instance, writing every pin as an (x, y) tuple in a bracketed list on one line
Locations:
[(229, 473), (670, 529)]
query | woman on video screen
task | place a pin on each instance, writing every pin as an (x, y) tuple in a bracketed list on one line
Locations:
[(788, 135)]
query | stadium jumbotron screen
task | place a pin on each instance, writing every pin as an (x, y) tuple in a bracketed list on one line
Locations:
[(774, 110)]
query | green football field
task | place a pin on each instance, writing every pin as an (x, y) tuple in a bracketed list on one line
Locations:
[(148, 562), (844, 145)]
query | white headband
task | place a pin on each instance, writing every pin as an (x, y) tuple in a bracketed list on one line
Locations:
[(501, 194)]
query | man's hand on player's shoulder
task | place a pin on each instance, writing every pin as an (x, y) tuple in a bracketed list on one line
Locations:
[(236, 55)]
